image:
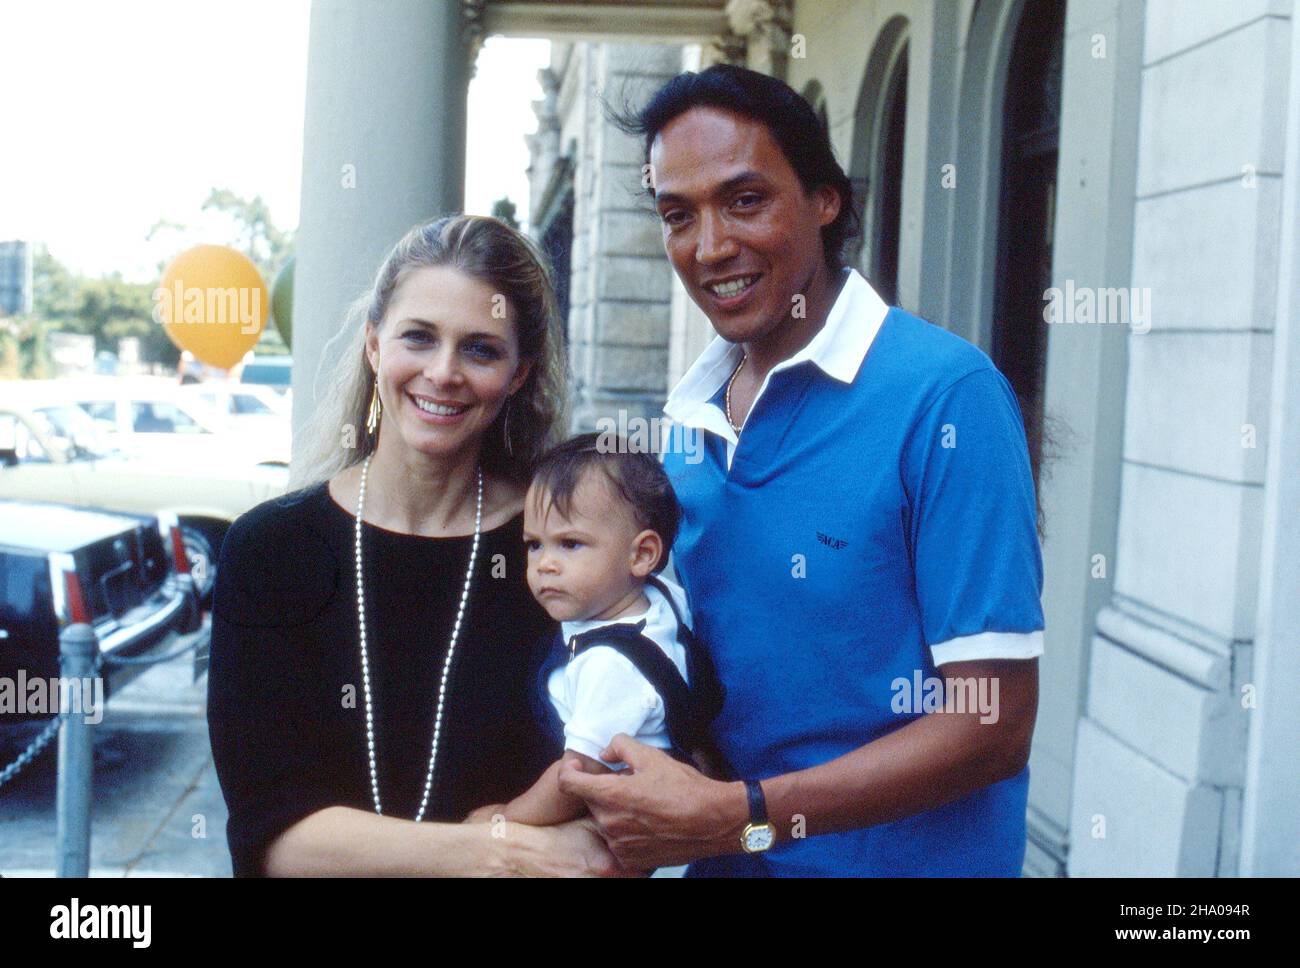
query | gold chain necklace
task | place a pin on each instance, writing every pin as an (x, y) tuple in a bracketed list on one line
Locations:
[(727, 398)]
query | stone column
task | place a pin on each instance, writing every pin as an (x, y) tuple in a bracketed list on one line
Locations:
[(383, 148)]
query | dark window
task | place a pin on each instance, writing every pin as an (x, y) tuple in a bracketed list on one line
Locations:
[(557, 243), (105, 410), (1030, 141), (889, 184), (157, 417)]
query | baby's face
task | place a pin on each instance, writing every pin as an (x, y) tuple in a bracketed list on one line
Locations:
[(580, 565)]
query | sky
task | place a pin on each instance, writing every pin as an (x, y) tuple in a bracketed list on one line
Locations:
[(108, 112)]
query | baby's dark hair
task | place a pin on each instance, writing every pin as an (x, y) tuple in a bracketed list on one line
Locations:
[(637, 477)]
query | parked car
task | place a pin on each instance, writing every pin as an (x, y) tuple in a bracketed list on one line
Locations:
[(275, 372), (51, 450), (155, 417), (118, 573), (242, 407)]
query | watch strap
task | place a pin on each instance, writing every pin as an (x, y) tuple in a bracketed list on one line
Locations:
[(757, 803)]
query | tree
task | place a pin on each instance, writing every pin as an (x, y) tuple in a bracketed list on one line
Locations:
[(504, 210), (108, 308), (256, 234), (116, 310), (260, 240), (54, 288), (23, 353)]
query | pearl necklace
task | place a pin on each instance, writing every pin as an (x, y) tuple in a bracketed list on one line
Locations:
[(451, 647)]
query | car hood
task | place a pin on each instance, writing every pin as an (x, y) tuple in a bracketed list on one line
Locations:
[(217, 468)]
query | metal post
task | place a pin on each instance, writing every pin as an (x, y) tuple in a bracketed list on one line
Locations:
[(77, 650)]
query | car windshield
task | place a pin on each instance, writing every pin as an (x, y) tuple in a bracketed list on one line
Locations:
[(244, 403), (75, 430), (164, 417)]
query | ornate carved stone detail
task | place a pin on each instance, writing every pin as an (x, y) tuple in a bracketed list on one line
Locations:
[(761, 28), (747, 16), (725, 48), (472, 31)]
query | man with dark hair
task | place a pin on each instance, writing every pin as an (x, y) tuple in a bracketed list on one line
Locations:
[(864, 516)]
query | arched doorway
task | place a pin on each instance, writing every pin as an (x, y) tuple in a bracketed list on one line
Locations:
[(887, 215), (554, 230), (557, 243), (876, 167), (1031, 120)]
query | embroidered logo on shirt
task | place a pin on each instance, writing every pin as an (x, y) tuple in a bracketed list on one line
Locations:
[(834, 543)]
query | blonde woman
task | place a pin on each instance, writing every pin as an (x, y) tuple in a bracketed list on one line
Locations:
[(372, 631)]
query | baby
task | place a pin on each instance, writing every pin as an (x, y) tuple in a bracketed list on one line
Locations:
[(599, 523)]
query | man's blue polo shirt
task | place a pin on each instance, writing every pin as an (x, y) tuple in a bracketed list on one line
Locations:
[(876, 521)]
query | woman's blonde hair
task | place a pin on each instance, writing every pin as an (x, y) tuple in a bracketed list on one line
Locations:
[(335, 436)]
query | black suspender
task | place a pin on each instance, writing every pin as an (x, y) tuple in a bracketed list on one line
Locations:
[(688, 709), (661, 672)]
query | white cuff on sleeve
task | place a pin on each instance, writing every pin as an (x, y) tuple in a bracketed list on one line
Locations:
[(587, 747), (988, 645)]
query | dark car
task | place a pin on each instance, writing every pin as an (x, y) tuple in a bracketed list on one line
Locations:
[(275, 372), (116, 572)]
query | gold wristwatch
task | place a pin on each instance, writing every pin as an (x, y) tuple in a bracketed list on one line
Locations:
[(759, 834)]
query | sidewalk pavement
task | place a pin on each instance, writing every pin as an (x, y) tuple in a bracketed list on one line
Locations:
[(157, 809)]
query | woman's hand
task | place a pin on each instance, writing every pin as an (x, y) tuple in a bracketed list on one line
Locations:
[(573, 849), (484, 814)]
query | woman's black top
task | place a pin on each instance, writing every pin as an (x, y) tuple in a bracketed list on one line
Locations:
[(286, 705)]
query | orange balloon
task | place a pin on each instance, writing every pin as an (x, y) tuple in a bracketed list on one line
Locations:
[(212, 301)]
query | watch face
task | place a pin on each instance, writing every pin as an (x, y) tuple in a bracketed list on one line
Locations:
[(758, 838)]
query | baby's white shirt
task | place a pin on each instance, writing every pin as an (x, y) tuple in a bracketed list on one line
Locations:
[(600, 693)]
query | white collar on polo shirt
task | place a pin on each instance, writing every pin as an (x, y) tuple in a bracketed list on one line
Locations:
[(837, 349), (661, 621)]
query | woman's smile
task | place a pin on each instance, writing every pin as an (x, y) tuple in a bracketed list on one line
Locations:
[(437, 411)]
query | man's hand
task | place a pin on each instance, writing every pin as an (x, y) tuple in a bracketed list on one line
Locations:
[(660, 812)]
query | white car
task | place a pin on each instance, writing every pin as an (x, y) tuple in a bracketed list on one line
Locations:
[(150, 417), (248, 408), (51, 450)]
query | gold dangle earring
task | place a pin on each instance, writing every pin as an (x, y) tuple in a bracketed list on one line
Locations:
[(505, 426), (376, 409)]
